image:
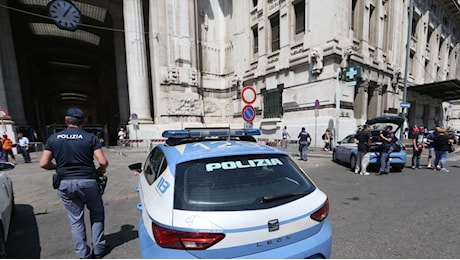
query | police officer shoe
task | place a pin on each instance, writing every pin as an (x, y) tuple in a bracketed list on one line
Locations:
[(106, 251)]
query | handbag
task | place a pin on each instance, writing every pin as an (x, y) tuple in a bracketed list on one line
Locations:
[(451, 148)]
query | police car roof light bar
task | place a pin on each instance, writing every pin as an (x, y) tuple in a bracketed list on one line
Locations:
[(209, 132)]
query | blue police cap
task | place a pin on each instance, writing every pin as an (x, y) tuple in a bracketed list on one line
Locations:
[(75, 112)]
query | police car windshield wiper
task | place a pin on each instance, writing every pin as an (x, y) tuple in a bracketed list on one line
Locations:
[(268, 199)]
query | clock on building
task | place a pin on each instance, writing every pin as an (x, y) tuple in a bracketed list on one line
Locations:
[(65, 14)]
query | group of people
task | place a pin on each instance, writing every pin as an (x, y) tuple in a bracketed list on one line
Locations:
[(365, 141), (6, 148), (439, 145)]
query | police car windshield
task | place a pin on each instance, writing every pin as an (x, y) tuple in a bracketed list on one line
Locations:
[(239, 183)]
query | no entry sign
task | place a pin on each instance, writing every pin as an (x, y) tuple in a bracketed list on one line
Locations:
[(249, 113), (248, 94)]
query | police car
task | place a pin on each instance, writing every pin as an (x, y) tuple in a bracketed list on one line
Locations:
[(217, 193)]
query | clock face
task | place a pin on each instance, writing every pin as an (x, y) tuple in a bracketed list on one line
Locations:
[(65, 14)]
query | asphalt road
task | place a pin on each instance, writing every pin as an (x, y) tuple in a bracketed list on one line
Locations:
[(412, 214)]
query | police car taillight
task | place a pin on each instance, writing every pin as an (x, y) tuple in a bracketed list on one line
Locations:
[(168, 238), (322, 213)]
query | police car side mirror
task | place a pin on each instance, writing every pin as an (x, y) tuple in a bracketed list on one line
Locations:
[(136, 167), (6, 166)]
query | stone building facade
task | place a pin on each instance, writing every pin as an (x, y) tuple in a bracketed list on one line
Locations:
[(292, 52)]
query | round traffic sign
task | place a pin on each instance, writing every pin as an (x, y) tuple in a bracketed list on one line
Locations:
[(248, 94), (249, 113), (3, 113), (134, 116)]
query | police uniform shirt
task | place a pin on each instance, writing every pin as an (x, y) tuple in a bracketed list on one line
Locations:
[(73, 151), (303, 137), (385, 144)]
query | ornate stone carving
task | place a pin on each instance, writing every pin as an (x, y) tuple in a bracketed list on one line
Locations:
[(346, 57), (184, 106), (316, 61)]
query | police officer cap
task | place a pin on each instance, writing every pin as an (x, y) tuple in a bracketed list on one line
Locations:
[(75, 112)]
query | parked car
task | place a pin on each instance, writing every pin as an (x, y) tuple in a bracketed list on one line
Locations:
[(7, 208), (347, 150), (216, 193)]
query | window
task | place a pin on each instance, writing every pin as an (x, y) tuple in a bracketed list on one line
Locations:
[(273, 103), (372, 24), (154, 165), (254, 3), (353, 13), (255, 41), (275, 30), (248, 182), (299, 9)]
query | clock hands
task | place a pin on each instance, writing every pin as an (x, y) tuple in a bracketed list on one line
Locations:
[(66, 12)]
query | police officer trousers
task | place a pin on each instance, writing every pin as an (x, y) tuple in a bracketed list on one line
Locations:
[(75, 194)]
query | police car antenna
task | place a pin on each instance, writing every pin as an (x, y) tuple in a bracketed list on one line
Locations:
[(228, 136)]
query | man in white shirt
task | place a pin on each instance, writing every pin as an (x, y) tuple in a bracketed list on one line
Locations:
[(24, 147)]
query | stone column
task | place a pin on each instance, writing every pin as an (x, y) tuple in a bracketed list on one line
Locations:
[(10, 87), (136, 59), (364, 88)]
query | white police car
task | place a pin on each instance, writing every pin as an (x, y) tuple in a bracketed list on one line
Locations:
[(216, 193)]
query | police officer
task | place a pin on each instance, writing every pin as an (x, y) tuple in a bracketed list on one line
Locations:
[(387, 137), (73, 150)]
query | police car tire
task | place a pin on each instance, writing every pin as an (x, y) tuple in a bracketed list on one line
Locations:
[(2, 244)]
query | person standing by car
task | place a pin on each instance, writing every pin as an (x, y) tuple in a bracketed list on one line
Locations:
[(73, 150), (364, 139), (387, 138), (304, 142), (24, 147), (417, 142), (441, 146), (429, 140)]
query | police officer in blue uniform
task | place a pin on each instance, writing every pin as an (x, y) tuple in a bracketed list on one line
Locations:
[(73, 150)]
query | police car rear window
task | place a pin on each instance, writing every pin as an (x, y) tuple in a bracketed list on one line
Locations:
[(239, 183)]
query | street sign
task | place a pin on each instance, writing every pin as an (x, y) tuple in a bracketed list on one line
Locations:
[(3, 113), (351, 83), (405, 105), (134, 116), (248, 94), (249, 113)]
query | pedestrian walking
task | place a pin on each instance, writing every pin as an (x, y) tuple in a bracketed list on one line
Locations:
[(7, 146), (284, 135), (304, 142), (430, 140), (387, 138), (417, 142), (73, 150), (364, 139), (24, 146), (441, 144), (327, 138)]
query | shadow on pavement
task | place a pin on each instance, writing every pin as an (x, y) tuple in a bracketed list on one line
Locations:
[(125, 234), (23, 240)]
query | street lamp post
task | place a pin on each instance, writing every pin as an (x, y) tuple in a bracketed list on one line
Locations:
[(406, 66)]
